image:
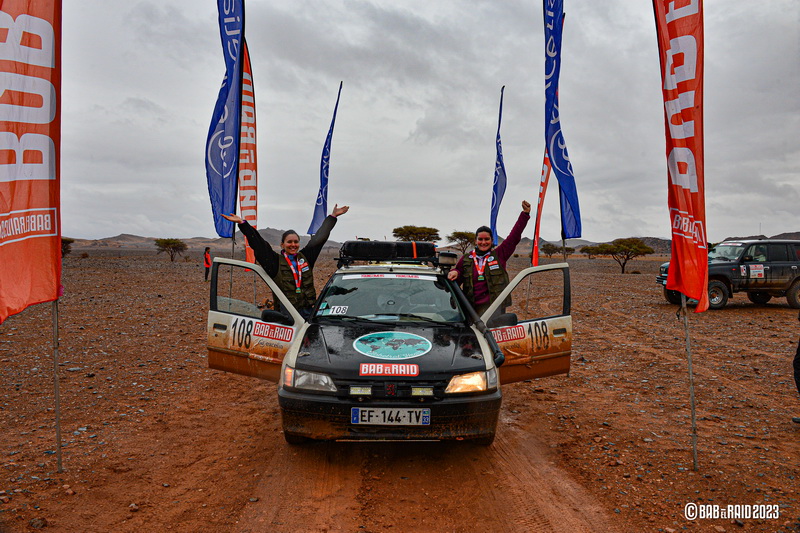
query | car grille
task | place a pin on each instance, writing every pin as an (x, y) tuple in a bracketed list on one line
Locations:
[(394, 390)]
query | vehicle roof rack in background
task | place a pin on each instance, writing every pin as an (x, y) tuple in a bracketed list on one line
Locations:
[(414, 252)]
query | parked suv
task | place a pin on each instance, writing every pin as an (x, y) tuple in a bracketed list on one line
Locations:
[(763, 269)]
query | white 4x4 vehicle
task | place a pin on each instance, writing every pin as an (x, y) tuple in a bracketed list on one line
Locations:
[(392, 350)]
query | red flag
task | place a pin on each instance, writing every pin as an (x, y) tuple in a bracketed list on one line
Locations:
[(542, 190), (30, 140), (248, 160), (680, 45)]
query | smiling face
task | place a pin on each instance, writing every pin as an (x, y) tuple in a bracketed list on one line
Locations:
[(483, 241), (291, 243)]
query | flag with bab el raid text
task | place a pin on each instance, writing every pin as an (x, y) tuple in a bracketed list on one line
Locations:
[(30, 154)]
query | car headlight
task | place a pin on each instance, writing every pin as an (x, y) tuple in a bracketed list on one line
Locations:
[(307, 380), (473, 382)]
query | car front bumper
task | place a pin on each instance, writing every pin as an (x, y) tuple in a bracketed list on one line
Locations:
[(328, 418)]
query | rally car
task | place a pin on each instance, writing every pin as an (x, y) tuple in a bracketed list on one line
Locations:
[(393, 350)]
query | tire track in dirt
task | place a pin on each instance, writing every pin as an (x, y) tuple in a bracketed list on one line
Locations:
[(305, 488), (539, 495)]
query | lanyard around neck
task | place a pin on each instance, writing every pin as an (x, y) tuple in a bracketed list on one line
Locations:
[(297, 274), (480, 263)]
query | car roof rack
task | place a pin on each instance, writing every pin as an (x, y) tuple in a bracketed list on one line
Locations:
[(411, 252)]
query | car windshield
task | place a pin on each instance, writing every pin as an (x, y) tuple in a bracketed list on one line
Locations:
[(389, 297), (726, 252)]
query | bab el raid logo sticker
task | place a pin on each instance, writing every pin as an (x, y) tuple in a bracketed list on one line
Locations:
[(392, 345)]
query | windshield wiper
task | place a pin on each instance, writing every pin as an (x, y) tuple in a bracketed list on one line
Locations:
[(418, 317), (347, 318)]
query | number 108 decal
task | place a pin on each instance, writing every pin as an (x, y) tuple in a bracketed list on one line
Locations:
[(241, 333), (540, 336)]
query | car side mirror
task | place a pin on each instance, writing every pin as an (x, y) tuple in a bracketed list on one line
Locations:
[(499, 321), (276, 317)]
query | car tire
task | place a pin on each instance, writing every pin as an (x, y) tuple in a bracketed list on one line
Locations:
[(673, 297), (759, 298), (717, 294), (793, 295), (295, 440)]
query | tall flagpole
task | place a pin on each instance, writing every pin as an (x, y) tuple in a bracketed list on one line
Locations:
[(55, 385)]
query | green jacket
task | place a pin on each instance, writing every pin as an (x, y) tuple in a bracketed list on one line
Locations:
[(496, 278), (285, 282)]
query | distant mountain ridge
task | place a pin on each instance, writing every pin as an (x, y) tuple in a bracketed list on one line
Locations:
[(273, 236)]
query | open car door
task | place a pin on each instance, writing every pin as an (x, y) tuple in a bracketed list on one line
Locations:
[(245, 336), (535, 332)]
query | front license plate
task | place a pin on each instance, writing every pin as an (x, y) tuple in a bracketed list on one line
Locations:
[(390, 417)]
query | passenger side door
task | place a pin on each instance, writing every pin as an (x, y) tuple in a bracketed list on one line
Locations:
[(245, 336), (539, 343), (752, 269)]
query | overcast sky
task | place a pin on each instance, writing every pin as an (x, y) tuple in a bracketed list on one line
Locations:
[(415, 131)]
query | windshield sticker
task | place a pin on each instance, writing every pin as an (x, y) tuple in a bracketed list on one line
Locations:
[(338, 310), (757, 271), (388, 369), (388, 276), (392, 345)]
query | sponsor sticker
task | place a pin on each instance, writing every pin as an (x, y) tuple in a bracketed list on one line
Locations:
[(392, 345), (511, 333), (389, 276), (271, 331), (757, 271), (388, 369)]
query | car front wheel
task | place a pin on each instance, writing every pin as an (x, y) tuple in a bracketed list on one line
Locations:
[(673, 297), (717, 294)]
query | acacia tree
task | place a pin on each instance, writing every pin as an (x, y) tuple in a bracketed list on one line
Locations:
[(462, 239), (549, 249), (66, 245), (171, 246), (590, 251), (416, 233), (623, 250)]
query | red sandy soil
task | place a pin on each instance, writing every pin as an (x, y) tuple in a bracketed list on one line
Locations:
[(153, 440)]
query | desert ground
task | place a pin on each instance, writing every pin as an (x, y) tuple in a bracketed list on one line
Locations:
[(153, 440)]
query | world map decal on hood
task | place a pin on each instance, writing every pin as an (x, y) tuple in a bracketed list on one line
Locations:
[(392, 345)]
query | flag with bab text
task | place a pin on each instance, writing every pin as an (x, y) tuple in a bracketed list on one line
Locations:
[(555, 144), (248, 157), (499, 183), (321, 206), (680, 45), (222, 145), (545, 177), (30, 154)]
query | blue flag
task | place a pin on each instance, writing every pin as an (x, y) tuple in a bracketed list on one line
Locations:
[(321, 207), (555, 144), (499, 184), (222, 146)]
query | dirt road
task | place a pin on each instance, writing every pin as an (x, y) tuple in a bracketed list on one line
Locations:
[(154, 440)]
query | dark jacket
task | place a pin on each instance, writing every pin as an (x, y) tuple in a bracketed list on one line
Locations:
[(486, 291), (278, 269)]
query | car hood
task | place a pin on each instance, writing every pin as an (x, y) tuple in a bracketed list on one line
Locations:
[(341, 350)]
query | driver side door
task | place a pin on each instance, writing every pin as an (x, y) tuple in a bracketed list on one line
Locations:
[(244, 335), (539, 343)]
